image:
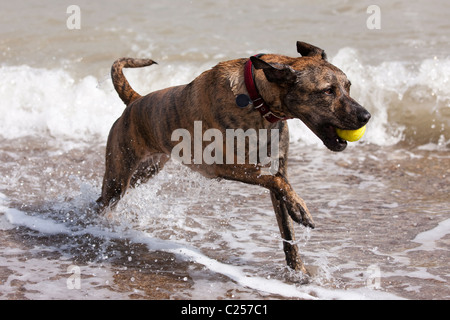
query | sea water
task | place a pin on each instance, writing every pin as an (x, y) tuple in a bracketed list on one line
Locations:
[(381, 207)]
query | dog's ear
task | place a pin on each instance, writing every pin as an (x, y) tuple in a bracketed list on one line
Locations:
[(306, 49), (277, 73)]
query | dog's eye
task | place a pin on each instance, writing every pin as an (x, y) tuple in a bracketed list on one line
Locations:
[(328, 91)]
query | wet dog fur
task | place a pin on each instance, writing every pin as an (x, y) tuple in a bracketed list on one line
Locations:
[(307, 87)]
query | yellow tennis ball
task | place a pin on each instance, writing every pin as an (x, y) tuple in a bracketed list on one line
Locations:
[(351, 135)]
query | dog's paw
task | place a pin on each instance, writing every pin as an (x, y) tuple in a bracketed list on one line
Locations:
[(299, 212)]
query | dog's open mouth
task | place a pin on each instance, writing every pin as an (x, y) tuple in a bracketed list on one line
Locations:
[(330, 138)]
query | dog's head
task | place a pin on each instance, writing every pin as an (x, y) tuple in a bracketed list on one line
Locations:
[(315, 91)]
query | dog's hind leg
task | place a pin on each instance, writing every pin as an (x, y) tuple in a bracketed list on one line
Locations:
[(125, 172), (116, 181), (148, 168), (120, 164)]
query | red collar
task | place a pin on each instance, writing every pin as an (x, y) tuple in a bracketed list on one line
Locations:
[(257, 100)]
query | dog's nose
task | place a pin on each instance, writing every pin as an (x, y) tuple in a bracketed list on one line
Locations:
[(364, 117)]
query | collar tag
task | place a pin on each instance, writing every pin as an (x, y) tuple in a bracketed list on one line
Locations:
[(243, 100)]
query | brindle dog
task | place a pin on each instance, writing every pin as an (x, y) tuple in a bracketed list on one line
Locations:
[(308, 88)]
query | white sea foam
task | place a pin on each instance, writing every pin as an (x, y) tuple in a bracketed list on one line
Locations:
[(235, 273), (52, 102), (427, 239)]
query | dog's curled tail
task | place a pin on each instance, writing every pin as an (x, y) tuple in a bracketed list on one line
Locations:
[(123, 88)]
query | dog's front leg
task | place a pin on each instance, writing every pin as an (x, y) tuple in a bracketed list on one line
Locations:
[(287, 204), (277, 184), (295, 206), (293, 259)]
